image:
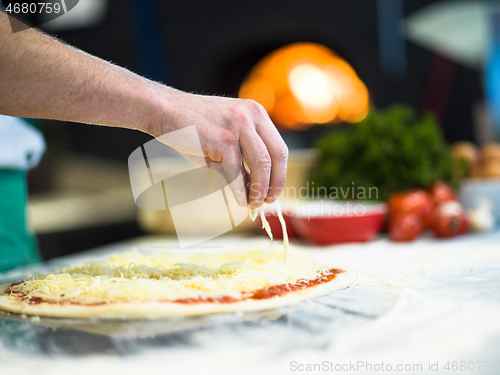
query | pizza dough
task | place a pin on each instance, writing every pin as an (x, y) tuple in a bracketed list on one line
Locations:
[(136, 286)]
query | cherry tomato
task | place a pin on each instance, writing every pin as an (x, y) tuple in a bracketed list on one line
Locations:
[(405, 226), (440, 192), (448, 220), (411, 201)]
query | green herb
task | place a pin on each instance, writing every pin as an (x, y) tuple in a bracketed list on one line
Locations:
[(391, 150)]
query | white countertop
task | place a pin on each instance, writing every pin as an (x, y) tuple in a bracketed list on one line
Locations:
[(427, 303)]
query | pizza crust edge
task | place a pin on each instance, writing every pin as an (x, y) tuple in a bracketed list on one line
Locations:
[(154, 310)]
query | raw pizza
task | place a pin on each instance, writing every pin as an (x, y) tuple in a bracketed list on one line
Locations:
[(132, 285)]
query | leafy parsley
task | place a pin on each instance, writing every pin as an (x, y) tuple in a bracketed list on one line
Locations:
[(391, 149)]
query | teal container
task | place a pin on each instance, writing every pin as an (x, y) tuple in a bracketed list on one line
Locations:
[(18, 245)]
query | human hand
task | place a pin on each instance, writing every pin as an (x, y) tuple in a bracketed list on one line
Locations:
[(231, 131), (78, 87)]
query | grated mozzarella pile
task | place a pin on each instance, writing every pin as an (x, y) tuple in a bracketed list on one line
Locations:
[(166, 276)]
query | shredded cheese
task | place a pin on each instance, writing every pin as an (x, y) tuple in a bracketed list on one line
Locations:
[(265, 225), (285, 232), (250, 213), (165, 276)]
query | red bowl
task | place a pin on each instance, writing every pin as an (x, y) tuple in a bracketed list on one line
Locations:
[(324, 223)]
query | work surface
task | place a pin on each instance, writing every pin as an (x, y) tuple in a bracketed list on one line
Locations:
[(427, 307)]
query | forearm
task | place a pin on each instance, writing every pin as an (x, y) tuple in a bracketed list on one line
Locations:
[(41, 77)]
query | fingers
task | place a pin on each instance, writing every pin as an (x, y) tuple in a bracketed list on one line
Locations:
[(245, 128), (259, 162), (277, 150), (230, 169), (279, 157), (235, 173)]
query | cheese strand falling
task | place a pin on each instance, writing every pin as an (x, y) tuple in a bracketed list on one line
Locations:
[(265, 225), (250, 213), (285, 233)]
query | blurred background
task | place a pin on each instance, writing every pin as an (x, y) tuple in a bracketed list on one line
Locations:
[(316, 66)]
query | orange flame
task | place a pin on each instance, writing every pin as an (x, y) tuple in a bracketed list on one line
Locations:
[(305, 83)]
